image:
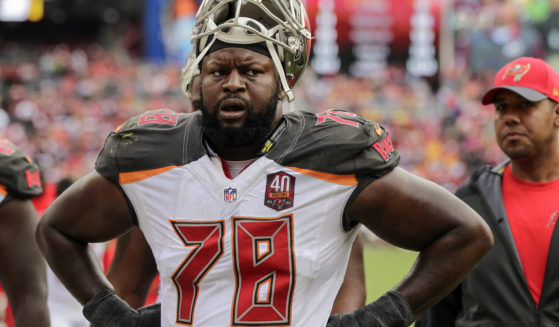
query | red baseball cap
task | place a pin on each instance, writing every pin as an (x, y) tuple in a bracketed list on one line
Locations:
[(531, 78)]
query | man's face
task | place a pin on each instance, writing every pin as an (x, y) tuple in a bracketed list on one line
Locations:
[(239, 96), (525, 129)]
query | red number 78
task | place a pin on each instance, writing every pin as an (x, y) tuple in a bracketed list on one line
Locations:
[(264, 263)]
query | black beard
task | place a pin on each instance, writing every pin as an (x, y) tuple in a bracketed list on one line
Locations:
[(254, 130)]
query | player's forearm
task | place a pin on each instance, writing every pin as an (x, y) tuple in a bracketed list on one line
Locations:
[(74, 263), (442, 266)]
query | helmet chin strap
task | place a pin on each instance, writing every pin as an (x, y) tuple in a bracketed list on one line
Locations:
[(288, 91)]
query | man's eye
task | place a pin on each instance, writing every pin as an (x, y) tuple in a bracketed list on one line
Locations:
[(527, 104), (217, 72), (252, 72)]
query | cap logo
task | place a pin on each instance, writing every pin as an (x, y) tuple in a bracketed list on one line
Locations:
[(555, 92), (517, 71)]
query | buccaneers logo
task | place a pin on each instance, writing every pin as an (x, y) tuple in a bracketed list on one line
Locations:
[(517, 71)]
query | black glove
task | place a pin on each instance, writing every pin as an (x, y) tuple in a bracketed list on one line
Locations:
[(106, 309), (390, 310)]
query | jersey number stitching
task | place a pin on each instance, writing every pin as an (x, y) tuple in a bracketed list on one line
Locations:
[(6, 147), (167, 117), (206, 241), (264, 271), (335, 116), (264, 263)]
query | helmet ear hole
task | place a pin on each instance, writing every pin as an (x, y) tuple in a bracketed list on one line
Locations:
[(298, 59)]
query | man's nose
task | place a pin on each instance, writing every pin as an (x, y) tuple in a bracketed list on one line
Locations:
[(511, 116), (234, 82)]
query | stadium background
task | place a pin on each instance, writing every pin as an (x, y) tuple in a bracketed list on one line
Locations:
[(72, 70)]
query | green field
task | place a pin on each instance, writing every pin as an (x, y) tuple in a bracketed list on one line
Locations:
[(384, 267)]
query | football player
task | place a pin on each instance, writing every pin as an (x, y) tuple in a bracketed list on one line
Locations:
[(133, 271), (251, 213), (22, 268)]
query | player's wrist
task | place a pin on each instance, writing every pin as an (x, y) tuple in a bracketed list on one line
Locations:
[(390, 310), (107, 309)]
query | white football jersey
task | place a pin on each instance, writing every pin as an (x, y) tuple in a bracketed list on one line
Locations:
[(267, 248)]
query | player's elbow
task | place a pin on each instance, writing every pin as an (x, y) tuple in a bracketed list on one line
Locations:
[(45, 236), (478, 235), (41, 235), (485, 236)]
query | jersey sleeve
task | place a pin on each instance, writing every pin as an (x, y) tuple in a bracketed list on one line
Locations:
[(340, 142), (152, 140), (19, 174), (379, 155), (359, 146)]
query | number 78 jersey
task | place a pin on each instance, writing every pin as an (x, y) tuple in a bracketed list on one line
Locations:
[(267, 248)]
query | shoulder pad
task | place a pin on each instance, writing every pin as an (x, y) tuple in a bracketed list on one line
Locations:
[(19, 174), (339, 142), (154, 139)]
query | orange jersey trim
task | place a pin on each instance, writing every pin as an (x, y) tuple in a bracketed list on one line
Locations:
[(3, 190), (135, 176), (332, 178)]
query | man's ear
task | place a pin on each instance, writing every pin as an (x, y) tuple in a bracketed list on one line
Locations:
[(556, 112), (281, 95)]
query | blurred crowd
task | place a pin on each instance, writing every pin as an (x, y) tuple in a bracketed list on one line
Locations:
[(59, 102), (61, 105)]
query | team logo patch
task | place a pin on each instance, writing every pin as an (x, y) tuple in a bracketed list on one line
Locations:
[(517, 71), (280, 191), (230, 194)]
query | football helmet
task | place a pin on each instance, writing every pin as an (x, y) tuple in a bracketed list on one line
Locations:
[(282, 24), (189, 72)]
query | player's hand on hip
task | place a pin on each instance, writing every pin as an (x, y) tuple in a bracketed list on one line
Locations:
[(390, 310), (106, 309)]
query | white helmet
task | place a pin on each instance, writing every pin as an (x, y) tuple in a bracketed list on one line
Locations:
[(189, 72), (283, 25)]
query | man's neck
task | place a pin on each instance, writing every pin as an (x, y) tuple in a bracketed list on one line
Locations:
[(536, 170), (240, 153)]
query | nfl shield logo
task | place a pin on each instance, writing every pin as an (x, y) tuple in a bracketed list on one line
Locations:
[(230, 194)]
